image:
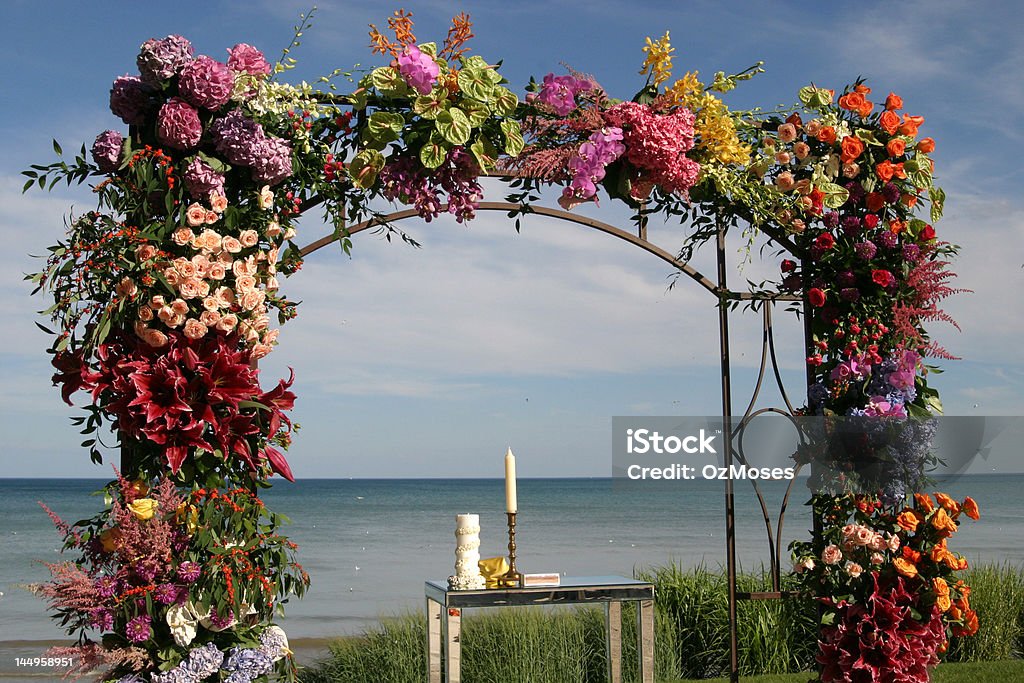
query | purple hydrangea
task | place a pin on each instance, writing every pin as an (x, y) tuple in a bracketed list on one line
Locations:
[(106, 150), (188, 571), (130, 98), (158, 60), (559, 92), (866, 249), (418, 69), (273, 162), (274, 642), (201, 663), (138, 629), (178, 124), (206, 83), (244, 58), (246, 664), (201, 179), (237, 138)]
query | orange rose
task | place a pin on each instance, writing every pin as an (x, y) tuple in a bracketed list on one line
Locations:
[(970, 623), (926, 145), (889, 121), (908, 520), (911, 555), (909, 200), (952, 561), (865, 109), (943, 602), (893, 102), (970, 508), (905, 568), (940, 586), (898, 171), (897, 226), (924, 502), (954, 613), (827, 134), (862, 89), (945, 501), (939, 551), (896, 147), (885, 170), (852, 148), (795, 119), (962, 564), (943, 523), (852, 101), (910, 125)]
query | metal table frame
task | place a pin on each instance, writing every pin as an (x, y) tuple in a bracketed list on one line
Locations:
[(444, 618)]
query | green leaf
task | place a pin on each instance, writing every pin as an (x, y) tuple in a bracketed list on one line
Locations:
[(813, 97), (428, 49), (504, 101), (453, 125), (216, 164), (384, 126), (476, 84), (938, 200), (429, 106), (867, 136), (364, 168), (485, 153), (388, 80), (433, 153), (475, 62), (56, 148), (835, 195), (476, 112), (513, 137)]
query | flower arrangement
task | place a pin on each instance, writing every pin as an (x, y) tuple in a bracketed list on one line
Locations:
[(886, 580), (163, 300)]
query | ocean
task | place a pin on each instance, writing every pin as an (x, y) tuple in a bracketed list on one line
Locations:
[(369, 545)]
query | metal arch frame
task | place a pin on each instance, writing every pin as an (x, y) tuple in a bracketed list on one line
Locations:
[(733, 433)]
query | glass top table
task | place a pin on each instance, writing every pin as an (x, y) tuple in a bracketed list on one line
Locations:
[(445, 605)]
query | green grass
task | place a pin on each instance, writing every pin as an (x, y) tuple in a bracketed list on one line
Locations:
[(566, 645)]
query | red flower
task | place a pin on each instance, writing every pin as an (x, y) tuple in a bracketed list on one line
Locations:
[(816, 297), (788, 265), (874, 200), (825, 241), (927, 233), (871, 221), (883, 278)]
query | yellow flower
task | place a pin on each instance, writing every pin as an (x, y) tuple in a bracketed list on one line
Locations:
[(143, 508), (110, 539), (659, 60), (686, 91), (188, 515)]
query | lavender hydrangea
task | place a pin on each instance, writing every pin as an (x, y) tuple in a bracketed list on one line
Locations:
[(160, 59), (201, 180), (178, 124), (273, 161), (274, 642), (244, 665), (237, 137), (201, 663), (244, 58), (106, 150), (130, 99), (206, 83)]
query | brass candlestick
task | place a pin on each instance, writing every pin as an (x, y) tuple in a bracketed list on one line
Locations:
[(512, 578)]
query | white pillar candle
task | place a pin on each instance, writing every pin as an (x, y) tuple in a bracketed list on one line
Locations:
[(511, 504)]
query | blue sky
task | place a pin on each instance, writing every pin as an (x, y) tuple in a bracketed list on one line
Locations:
[(430, 362)]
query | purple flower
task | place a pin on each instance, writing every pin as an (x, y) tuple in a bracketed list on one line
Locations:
[(274, 642), (101, 619), (891, 193), (188, 571), (178, 124), (238, 138), (106, 150), (273, 161), (138, 629), (244, 58), (856, 192), (889, 239), (246, 664), (130, 98), (220, 623), (158, 60), (831, 220), (559, 92), (201, 180), (106, 586), (204, 661), (418, 69), (866, 249), (849, 294), (846, 279), (166, 593), (206, 83), (911, 252), (851, 225)]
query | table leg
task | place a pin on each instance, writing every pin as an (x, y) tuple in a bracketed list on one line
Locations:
[(453, 645), (645, 639), (433, 641), (613, 640)]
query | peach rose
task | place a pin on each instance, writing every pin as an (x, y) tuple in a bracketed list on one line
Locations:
[(893, 541), (202, 265), (157, 301), (195, 214), (272, 284), (289, 233), (851, 170), (787, 132), (218, 202), (864, 535), (210, 303), (216, 271), (273, 229), (231, 245), (248, 238), (783, 158), (251, 299), (877, 558), (225, 296), (166, 313), (877, 543), (155, 338), (785, 181), (227, 322), (209, 239), (245, 283), (831, 555), (266, 198), (145, 252), (853, 569), (127, 288), (212, 217), (194, 329), (801, 150), (145, 314), (183, 236), (260, 350), (189, 289), (813, 127), (209, 318), (179, 307)]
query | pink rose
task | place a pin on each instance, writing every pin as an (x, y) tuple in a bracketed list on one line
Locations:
[(877, 558), (216, 271), (245, 283), (802, 150), (813, 127), (831, 555), (864, 535), (877, 543), (251, 299), (804, 565), (218, 202), (157, 301), (850, 530), (189, 289), (227, 322), (783, 158), (231, 245), (179, 307), (893, 541)]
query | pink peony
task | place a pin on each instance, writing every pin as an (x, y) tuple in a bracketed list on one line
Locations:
[(178, 124), (206, 83)]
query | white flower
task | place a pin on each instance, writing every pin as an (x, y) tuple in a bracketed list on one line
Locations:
[(182, 619)]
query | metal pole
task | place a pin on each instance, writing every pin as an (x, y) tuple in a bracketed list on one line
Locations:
[(730, 510)]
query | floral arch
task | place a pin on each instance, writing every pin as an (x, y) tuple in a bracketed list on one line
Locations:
[(162, 303)]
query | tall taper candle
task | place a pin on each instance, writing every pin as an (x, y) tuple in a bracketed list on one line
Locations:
[(510, 482)]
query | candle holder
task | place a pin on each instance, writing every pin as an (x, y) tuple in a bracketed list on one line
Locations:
[(512, 578)]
